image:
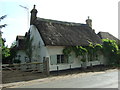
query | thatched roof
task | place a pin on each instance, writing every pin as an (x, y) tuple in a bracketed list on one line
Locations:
[(58, 33), (21, 44), (19, 37), (106, 35)]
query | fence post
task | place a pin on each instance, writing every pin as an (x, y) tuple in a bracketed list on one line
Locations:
[(100, 66), (70, 69), (46, 65), (91, 66), (57, 70)]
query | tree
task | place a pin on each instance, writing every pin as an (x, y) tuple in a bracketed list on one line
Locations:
[(13, 44), (5, 54), (1, 26), (13, 52), (1, 18), (5, 49)]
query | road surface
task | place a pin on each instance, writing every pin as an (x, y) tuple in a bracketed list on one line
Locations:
[(107, 79)]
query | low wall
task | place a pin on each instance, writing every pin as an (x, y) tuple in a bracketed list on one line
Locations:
[(77, 65)]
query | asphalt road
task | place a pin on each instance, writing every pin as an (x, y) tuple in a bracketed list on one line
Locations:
[(107, 79)]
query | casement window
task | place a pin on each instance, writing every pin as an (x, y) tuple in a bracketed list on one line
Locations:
[(61, 59), (58, 59)]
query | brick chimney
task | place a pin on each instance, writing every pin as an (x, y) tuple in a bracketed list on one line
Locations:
[(33, 15), (89, 22)]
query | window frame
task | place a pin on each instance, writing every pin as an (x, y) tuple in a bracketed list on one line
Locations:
[(62, 59)]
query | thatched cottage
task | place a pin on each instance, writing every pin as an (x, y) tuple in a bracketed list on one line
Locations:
[(106, 35), (50, 37)]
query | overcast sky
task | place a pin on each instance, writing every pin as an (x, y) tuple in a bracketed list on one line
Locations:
[(104, 14)]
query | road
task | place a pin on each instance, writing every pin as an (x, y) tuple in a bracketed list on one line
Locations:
[(107, 79)]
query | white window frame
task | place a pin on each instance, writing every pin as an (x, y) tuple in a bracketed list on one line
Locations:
[(64, 61)]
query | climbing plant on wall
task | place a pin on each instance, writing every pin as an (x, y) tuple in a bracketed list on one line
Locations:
[(67, 50), (79, 50), (110, 50), (28, 47)]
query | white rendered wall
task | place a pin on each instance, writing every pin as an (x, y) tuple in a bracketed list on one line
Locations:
[(76, 62), (22, 56), (39, 50), (54, 50)]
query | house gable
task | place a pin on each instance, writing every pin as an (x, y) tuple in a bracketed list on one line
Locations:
[(38, 47), (106, 35)]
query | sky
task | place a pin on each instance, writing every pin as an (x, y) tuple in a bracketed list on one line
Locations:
[(104, 14)]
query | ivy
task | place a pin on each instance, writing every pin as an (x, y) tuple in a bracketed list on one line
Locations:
[(79, 50), (109, 49), (67, 51), (82, 51), (98, 48)]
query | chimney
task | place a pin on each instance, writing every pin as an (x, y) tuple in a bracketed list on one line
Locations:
[(33, 15), (89, 22)]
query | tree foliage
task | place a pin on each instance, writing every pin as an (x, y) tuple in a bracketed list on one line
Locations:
[(1, 18), (13, 51), (5, 52), (13, 44)]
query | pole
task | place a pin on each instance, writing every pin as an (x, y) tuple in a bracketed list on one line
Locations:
[(27, 14)]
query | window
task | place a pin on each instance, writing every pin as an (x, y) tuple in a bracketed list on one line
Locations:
[(27, 60), (61, 59), (58, 59), (19, 57)]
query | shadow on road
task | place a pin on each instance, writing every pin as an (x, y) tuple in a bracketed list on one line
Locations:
[(18, 76)]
